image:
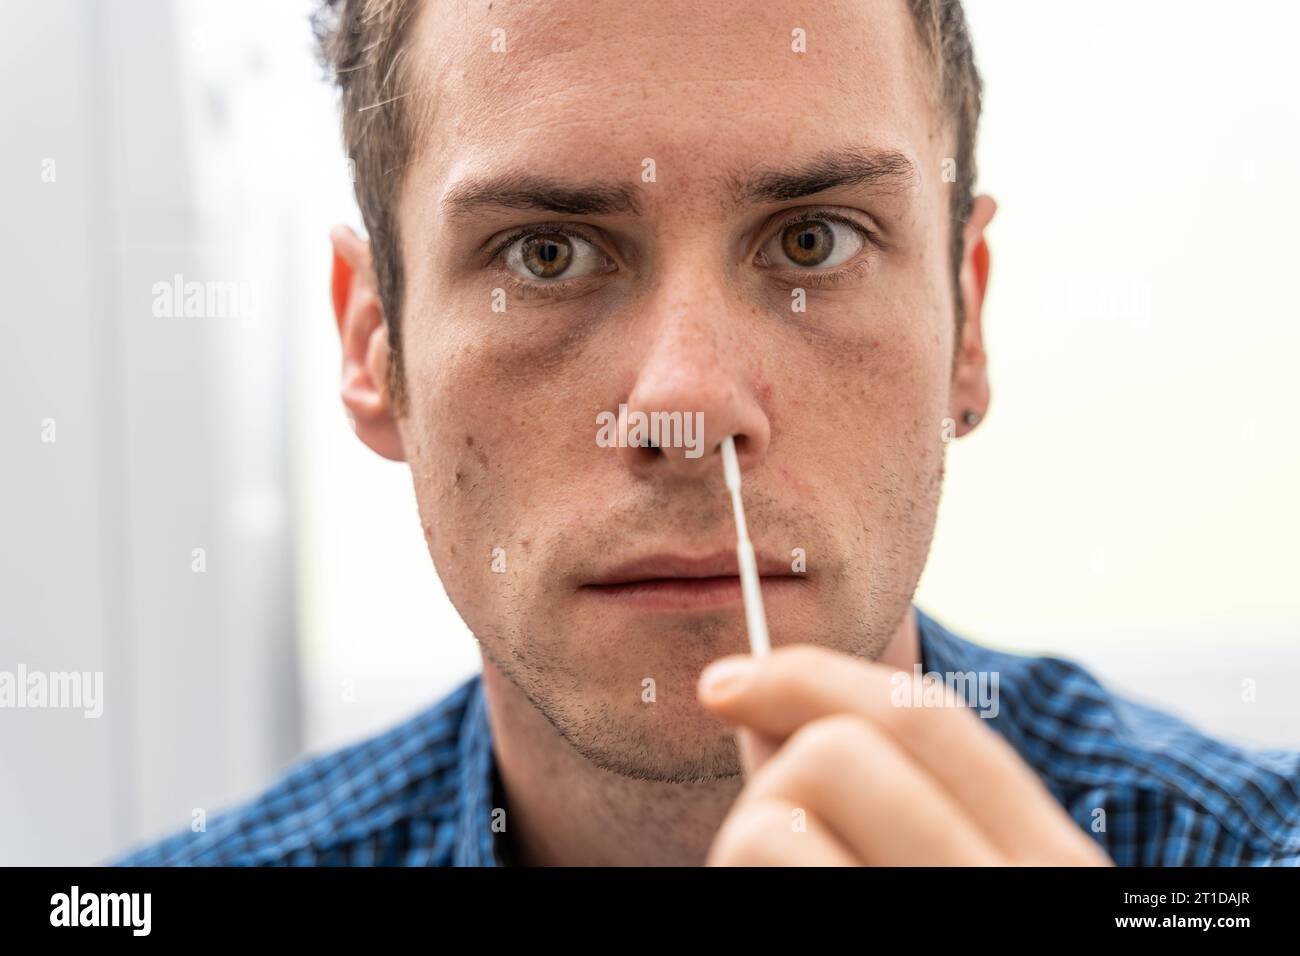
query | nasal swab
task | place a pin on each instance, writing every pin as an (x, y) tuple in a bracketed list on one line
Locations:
[(755, 619)]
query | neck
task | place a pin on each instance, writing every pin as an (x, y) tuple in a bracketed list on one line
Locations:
[(565, 811)]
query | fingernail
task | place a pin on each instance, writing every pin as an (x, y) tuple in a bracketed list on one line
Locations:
[(725, 677)]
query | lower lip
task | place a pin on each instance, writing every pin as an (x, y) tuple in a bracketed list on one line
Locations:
[(681, 594)]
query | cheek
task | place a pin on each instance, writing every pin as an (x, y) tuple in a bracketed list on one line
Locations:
[(875, 397), (455, 416), (482, 435)]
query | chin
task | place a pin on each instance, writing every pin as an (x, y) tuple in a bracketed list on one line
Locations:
[(670, 738)]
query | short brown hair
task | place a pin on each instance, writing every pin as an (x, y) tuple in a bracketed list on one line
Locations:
[(363, 45)]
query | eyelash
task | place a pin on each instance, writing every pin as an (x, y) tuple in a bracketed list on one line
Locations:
[(854, 270), (541, 229), (538, 289)]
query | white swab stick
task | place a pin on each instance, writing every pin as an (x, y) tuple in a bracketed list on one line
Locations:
[(755, 619)]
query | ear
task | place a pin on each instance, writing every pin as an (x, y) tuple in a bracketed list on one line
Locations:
[(970, 383), (364, 337)]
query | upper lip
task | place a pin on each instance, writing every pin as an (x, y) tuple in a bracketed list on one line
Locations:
[(656, 567)]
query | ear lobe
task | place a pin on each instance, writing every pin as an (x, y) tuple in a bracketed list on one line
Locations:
[(366, 395)]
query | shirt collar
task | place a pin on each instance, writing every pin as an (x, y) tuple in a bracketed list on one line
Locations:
[(478, 787), (941, 651)]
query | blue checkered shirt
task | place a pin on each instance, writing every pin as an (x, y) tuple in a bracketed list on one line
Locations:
[(1149, 788)]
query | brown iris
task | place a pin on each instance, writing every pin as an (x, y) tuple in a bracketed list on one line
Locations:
[(546, 254), (807, 243)]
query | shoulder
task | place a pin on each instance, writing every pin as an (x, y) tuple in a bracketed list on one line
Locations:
[(386, 800), (1150, 787)]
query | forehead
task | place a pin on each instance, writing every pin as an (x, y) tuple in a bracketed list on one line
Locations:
[(704, 89)]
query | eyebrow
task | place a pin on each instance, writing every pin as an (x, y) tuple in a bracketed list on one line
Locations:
[(849, 166), (522, 191)]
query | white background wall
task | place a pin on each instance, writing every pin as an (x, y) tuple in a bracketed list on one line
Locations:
[(171, 433), (1130, 501)]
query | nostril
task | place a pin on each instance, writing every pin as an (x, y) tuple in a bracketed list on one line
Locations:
[(742, 445)]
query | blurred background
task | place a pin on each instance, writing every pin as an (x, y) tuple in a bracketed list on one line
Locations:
[(184, 508)]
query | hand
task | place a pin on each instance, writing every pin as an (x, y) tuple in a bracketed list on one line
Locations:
[(840, 775)]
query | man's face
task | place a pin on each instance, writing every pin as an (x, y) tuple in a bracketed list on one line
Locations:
[(684, 302)]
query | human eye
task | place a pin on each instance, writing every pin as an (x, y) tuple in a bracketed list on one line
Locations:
[(816, 244), (547, 258)]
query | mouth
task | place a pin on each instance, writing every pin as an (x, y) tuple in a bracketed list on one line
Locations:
[(674, 582)]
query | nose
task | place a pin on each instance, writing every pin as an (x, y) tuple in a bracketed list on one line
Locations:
[(695, 384)]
